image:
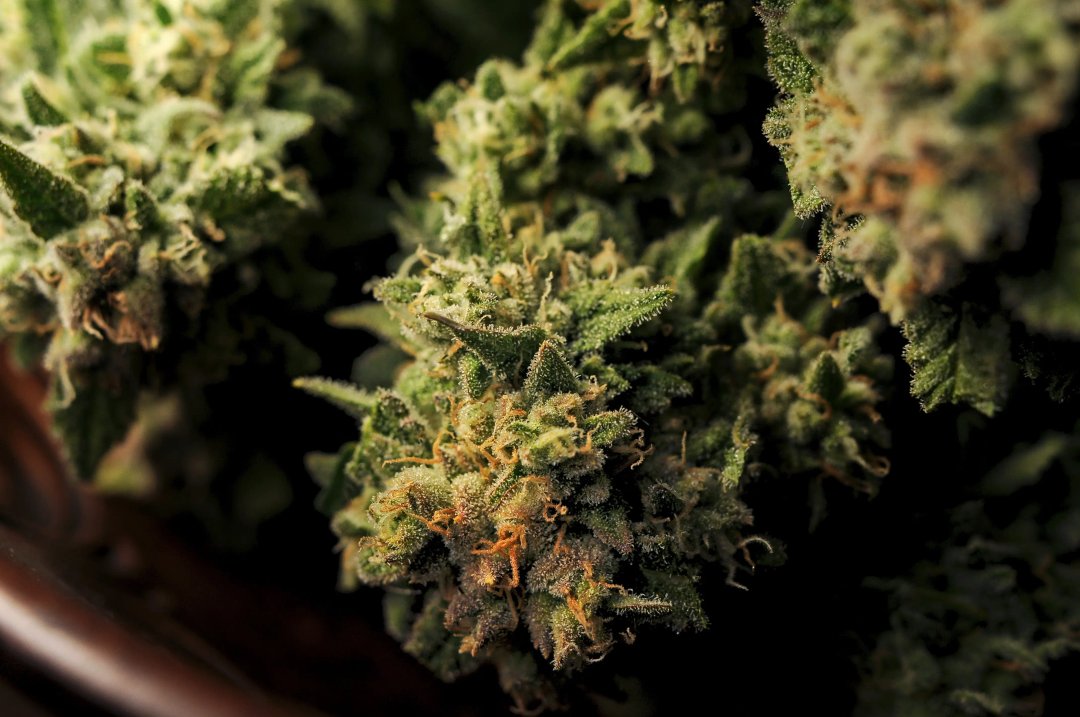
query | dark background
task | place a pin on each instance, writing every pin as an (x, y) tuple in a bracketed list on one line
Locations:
[(787, 645)]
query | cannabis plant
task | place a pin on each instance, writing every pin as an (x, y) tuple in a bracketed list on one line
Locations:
[(976, 626), (919, 133), (142, 150), (602, 331), (604, 354)]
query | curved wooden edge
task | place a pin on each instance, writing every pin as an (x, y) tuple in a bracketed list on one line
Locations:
[(205, 622), (48, 625)]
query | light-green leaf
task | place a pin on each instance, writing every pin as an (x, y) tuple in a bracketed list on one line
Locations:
[(608, 313), (354, 401)]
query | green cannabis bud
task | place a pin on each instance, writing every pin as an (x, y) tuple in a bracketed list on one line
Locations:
[(918, 132), (975, 627), (592, 344), (141, 148)]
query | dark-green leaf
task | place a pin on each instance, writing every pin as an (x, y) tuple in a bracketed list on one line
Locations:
[(46, 201)]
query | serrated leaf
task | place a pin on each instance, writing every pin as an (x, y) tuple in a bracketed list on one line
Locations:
[(606, 313), (957, 359)]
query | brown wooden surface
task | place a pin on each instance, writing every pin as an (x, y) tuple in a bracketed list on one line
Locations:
[(102, 600)]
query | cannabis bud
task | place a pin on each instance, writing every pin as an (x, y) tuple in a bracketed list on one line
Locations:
[(141, 148), (918, 134), (594, 343), (975, 626)]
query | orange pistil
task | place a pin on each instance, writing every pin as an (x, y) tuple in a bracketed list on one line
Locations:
[(859, 485), (95, 160), (826, 412), (766, 373), (436, 451), (559, 547), (599, 583), (511, 541)]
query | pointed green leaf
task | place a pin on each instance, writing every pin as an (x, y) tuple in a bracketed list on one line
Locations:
[(248, 69), (140, 206), (476, 227), (40, 111), (371, 317), (608, 313), (279, 127), (641, 604), (46, 201), (473, 374), (609, 427), (788, 66), (354, 401), (505, 351), (825, 379), (549, 372), (595, 32), (756, 276)]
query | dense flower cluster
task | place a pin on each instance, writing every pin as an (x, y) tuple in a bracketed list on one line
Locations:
[(915, 132), (141, 149), (603, 356), (594, 353)]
